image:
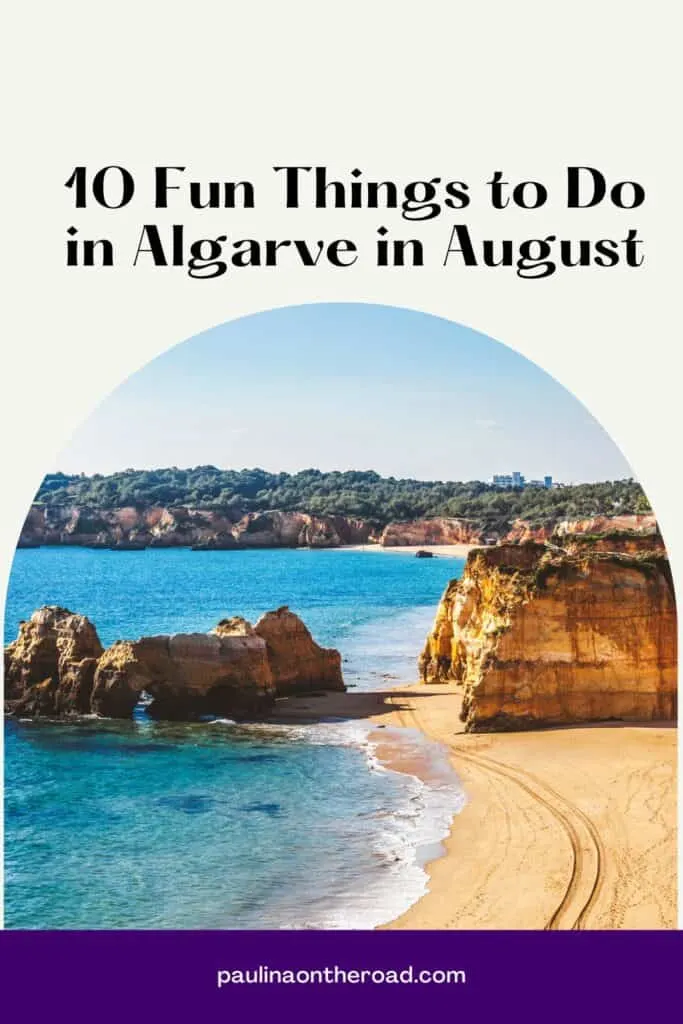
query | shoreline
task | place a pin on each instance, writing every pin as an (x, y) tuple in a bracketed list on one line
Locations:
[(437, 550), (566, 828)]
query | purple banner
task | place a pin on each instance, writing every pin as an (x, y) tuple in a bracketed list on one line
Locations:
[(130, 976)]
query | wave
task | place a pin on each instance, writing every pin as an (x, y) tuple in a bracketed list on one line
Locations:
[(409, 833)]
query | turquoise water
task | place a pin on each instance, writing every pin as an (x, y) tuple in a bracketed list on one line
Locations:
[(215, 825)]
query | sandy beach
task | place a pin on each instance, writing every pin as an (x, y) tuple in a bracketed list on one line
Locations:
[(569, 828), (438, 550)]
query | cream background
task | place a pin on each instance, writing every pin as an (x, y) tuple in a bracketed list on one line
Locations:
[(402, 91)]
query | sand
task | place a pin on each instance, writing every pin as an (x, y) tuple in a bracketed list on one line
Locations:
[(439, 550), (570, 828)]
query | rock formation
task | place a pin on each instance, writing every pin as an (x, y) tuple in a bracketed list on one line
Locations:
[(610, 528), (187, 675), (50, 667), (423, 532), (285, 529), (57, 667), (296, 660), (537, 635), (623, 541), (522, 530), (132, 529), (129, 529), (645, 525)]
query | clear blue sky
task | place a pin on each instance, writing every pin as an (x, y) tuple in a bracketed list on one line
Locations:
[(346, 386)]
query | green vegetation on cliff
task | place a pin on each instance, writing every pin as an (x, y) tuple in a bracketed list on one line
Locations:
[(353, 493)]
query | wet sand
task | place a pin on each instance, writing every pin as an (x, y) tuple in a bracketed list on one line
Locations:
[(569, 828)]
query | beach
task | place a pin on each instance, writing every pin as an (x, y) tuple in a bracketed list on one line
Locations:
[(570, 827), (567, 828), (261, 809), (437, 550)]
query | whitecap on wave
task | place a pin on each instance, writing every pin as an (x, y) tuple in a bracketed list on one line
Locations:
[(409, 834)]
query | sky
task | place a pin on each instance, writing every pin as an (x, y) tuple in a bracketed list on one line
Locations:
[(345, 386)]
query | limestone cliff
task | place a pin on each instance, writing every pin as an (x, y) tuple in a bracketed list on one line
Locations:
[(132, 528), (296, 660), (521, 531), (298, 529), (645, 524), (187, 675), (56, 667), (610, 527), (423, 532), (50, 667), (537, 635)]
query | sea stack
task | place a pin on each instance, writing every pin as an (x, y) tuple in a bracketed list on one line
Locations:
[(57, 668), (297, 662), (537, 635), (50, 667)]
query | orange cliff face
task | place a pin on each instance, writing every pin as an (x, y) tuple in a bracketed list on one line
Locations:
[(57, 668), (425, 532), (203, 529), (134, 528), (613, 527), (537, 635)]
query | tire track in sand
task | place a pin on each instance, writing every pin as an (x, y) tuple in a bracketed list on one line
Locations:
[(587, 852), (586, 848)]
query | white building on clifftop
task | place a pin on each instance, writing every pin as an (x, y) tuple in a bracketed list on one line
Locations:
[(516, 479)]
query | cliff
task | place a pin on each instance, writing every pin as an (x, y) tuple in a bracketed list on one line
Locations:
[(297, 662), (614, 525), (57, 668), (50, 667), (613, 528), (131, 528), (439, 530), (539, 635), (299, 529)]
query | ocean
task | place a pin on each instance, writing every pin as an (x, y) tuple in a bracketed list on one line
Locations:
[(147, 824)]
